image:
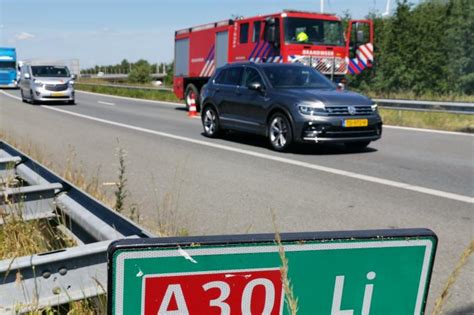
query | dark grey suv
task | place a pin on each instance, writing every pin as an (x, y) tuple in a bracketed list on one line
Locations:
[(287, 103)]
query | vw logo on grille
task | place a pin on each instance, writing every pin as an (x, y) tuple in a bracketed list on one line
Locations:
[(352, 110)]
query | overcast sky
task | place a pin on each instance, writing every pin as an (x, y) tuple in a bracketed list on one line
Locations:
[(107, 31)]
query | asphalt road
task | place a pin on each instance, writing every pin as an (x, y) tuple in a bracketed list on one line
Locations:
[(182, 180)]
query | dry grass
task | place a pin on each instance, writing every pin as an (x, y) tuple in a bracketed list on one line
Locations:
[(167, 211), (443, 298), (21, 238), (291, 300), (121, 192)]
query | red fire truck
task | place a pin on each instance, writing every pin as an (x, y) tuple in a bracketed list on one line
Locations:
[(314, 39)]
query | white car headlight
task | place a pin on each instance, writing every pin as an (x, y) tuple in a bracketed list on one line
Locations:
[(312, 108), (374, 107), (38, 83)]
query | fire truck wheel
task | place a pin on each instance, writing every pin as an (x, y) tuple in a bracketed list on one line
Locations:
[(210, 122), (192, 94)]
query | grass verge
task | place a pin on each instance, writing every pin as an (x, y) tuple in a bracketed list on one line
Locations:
[(156, 95), (428, 120)]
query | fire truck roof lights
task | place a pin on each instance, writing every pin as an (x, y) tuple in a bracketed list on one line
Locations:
[(307, 12)]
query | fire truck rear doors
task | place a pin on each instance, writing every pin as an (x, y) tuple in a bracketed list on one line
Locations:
[(222, 47), (181, 57)]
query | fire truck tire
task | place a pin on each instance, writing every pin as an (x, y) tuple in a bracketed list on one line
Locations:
[(191, 93)]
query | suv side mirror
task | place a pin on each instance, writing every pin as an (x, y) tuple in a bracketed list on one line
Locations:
[(74, 76), (27, 76), (256, 86)]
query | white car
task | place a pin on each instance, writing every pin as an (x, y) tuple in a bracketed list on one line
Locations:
[(46, 83)]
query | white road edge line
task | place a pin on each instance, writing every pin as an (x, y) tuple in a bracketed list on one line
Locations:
[(106, 103), (454, 133), (372, 179), (12, 96)]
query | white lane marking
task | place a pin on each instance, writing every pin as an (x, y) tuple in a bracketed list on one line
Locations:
[(12, 96), (372, 179), (454, 133), (106, 103), (133, 99), (385, 126)]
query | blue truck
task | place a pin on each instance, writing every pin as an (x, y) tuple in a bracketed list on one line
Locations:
[(8, 67)]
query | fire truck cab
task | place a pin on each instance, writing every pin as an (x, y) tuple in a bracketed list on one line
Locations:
[(314, 39)]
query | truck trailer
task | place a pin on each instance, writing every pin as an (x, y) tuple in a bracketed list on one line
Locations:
[(314, 39), (8, 67)]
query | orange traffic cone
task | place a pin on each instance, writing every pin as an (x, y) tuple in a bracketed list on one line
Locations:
[(192, 112)]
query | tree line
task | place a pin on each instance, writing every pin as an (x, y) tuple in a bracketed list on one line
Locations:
[(138, 72), (423, 49)]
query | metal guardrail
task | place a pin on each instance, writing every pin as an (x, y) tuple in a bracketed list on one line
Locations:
[(130, 87), (67, 274), (431, 106), (118, 76)]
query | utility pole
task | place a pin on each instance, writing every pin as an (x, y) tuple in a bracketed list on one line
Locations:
[(322, 6)]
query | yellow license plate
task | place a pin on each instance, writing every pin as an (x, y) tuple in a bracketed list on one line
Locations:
[(57, 94), (356, 123)]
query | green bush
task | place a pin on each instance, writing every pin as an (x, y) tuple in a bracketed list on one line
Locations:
[(140, 72)]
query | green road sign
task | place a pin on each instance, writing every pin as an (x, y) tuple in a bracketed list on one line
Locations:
[(335, 273)]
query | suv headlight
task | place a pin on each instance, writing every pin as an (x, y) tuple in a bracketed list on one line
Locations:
[(374, 107), (311, 109)]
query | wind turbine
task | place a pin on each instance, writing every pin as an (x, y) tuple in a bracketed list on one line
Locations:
[(387, 9), (322, 5)]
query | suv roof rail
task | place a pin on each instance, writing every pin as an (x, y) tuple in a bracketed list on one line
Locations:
[(242, 62)]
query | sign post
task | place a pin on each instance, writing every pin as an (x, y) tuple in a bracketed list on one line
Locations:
[(334, 273)]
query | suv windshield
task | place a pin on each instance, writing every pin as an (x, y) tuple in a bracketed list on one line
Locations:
[(296, 77), (315, 32), (50, 71)]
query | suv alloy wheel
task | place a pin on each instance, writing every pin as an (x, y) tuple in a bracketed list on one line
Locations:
[(279, 132)]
